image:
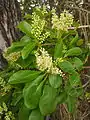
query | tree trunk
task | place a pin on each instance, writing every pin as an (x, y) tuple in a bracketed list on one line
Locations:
[(10, 16)]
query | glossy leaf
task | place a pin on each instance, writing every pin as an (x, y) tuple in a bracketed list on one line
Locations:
[(33, 92), (74, 40), (55, 80), (25, 39), (36, 115), (25, 27), (24, 63), (74, 79), (71, 103), (78, 64), (71, 90), (23, 113), (66, 66), (27, 49), (76, 51), (17, 46), (48, 102), (58, 49), (23, 76), (62, 97)]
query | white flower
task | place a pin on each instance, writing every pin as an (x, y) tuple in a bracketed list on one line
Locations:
[(45, 62), (64, 22), (38, 27), (56, 70), (12, 56)]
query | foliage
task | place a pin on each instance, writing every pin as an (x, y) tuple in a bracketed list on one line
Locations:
[(8, 114), (45, 66)]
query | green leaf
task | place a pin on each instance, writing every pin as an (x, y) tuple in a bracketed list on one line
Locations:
[(17, 46), (48, 102), (74, 79), (28, 16), (58, 49), (25, 27), (26, 62), (66, 66), (36, 115), (72, 91), (33, 92), (24, 113), (80, 92), (71, 103), (55, 80), (76, 51), (80, 42), (25, 39), (74, 40), (16, 98), (28, 49), (62, 97), (78, 64), (23, 76)]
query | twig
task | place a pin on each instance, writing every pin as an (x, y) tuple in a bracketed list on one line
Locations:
[(86, 67), (61, 115), (82, 9), (83, 86), (65, 108), (85, 116), (87, 76), (84, 26), (76, 7), (48, 44), (86, 84)]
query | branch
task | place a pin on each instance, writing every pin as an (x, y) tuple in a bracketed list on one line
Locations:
[(76, 7), (84, 26), (85, 85), (85, 116), (48, 44), (86, 67)]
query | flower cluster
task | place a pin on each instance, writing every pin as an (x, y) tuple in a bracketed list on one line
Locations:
[(64, 22), (43, 11), (45, 62), (44, 36), (4, 87), (38, 27), (8, 114), (13, 56)]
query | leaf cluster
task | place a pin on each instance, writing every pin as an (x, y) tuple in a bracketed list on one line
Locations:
[(37, 93)]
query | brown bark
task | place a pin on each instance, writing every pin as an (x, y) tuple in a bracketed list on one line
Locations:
[(10, 16)]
